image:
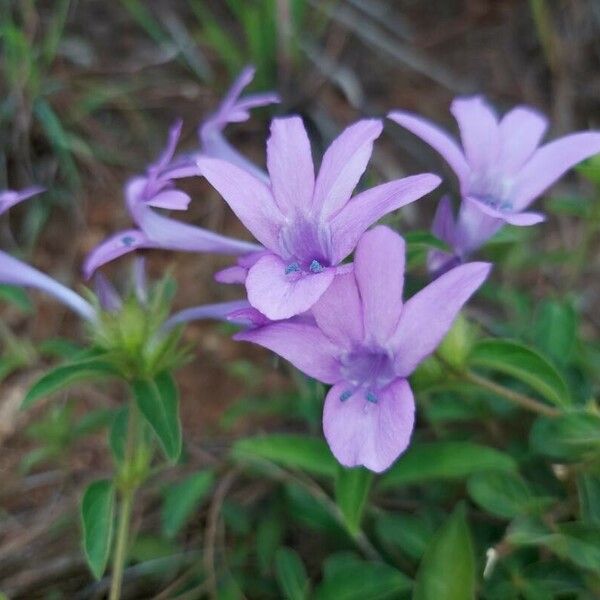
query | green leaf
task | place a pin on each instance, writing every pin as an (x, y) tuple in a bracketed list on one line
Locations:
[(65, 376), (502, 494), (555, 330), (352, 488), (524, 364), (269, 536), (405, 532), (17, 296), (158, 402), (349, 578), (571, 436), (118, 434), (97, 514), (291, 451), (588, 487), (182, 499), (444, 460), (448, 566), (291, 574)]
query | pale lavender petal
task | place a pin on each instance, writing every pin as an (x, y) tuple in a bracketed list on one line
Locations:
[(167, 154), (370, 434), (305, 346), (525, 219), (521, 131), (379, 271), (231, 275), (479, 131), (219, 311), (114, 247), (140, 282), (428, 315), (437, 138), (443, 226), (551, 162), (343, 164), (280, 295), (290, 165), (10, 198), (248, 317), (369, 206), (170, 199), (16, 272), (338, 313), (474, 227), (250, 199), (107, 294)]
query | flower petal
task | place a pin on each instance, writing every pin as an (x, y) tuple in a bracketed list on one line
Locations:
[(525, 219), (437, 138), (219, 311), (428, 315), (443, 226), (379, 271), (290, 165), (521, 131), (370, 434), (479, 131), (250, 199), (514, 218), (474, 226), (16, 272), (338, 312), (550, 163), (232, 275), (343, 164), (114, 247), (281, 295), (369, 206), (304, 345), (10, 198), (106, 293), (170, 199)]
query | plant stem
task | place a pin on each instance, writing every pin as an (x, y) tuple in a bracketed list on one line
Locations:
[(515, 397), (121, 547), (127, 482)]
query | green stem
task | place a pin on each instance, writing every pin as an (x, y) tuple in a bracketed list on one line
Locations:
[(516, 397), (120, 554), (128, 480)]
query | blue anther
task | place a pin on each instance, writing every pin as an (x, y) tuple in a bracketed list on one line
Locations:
[(292, 268), (128, 240), (345, 395), (505, 207), (316, 267), (371, 397)]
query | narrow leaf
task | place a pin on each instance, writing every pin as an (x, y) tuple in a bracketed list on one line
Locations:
[(351, 491), (291, 574), (97, 514), (524, 364), (448, 566)]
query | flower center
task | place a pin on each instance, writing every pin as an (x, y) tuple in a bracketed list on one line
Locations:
[(368, 371), (306, 245), (493, 189)]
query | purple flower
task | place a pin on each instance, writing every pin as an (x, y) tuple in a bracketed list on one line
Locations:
[(10, 198), (233, 109), (366, 342), (501, 167), (308, 226), (157, 190)]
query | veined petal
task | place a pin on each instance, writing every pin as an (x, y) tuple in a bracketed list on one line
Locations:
[(479, 131), (338, 312), (16, 272), (114, 247), (428, 315), (219, 311), (304, 345), (343, 164), (281, 295), (551, 162), (379, 271), (10, 198), (370, 434), (250, 199), (437, 138), (369, 206), (290, 165), (521, 131)]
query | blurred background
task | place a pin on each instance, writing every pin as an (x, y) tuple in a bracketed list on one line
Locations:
[(87, 91)]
